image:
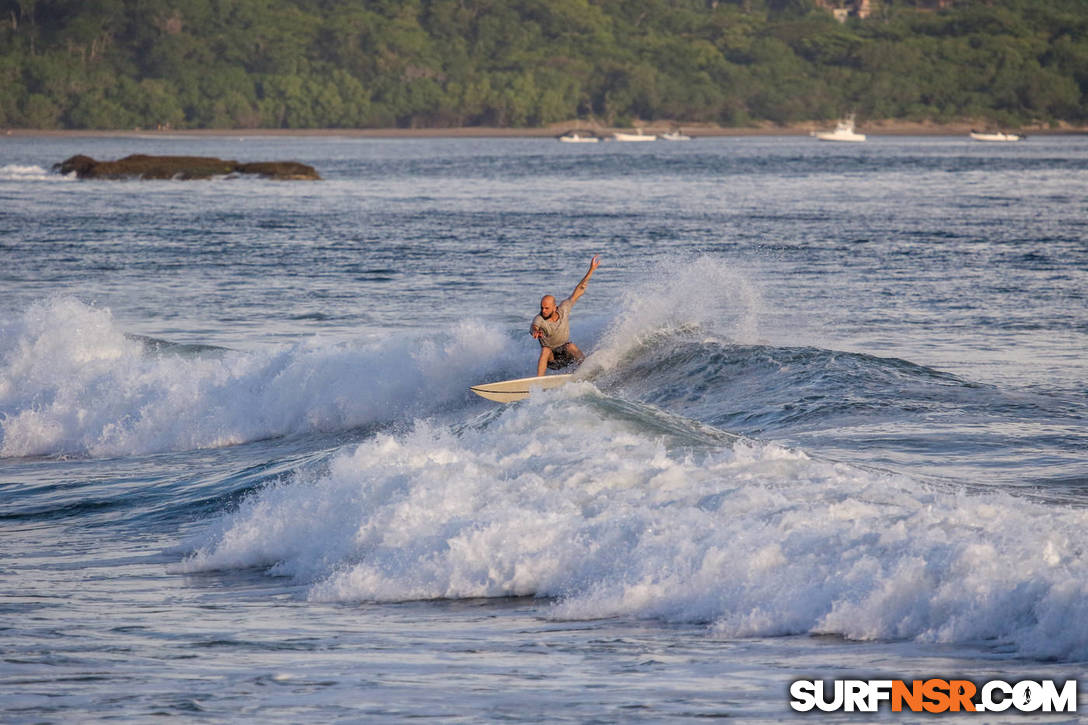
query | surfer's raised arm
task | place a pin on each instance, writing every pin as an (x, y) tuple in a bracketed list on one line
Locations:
[(581, 288)]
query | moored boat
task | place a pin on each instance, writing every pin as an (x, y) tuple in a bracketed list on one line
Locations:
[(675, 136), (995, 136), (578, 137), (844, 131), (640, 136)]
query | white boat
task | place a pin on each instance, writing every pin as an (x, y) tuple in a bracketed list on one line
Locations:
[(996, 136), (844, 131), (675, 136), (576, 137), (640, 136)]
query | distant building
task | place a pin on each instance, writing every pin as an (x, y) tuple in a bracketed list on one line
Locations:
[(843, 9)]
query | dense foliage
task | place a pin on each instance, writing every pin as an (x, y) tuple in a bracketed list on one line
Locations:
[(441, 63)]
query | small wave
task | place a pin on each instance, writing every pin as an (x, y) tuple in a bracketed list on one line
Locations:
[(759, 388), (870, 410), (617, 512), (158, 345), (21, 172)]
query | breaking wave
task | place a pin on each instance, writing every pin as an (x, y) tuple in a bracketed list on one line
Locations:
[(73, 383), (618, 509)]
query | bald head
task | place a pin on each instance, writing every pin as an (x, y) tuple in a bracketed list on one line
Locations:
[(547, 306)]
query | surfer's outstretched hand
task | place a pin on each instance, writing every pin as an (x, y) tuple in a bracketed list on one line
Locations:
[(581, 288)]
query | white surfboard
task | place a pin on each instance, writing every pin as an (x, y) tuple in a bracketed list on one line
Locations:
[(507, 391)]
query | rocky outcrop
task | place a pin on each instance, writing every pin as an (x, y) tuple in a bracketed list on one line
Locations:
[(140, 166)]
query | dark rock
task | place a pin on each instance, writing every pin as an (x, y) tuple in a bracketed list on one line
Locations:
[(279, 170), (79, 163), (140, 166)]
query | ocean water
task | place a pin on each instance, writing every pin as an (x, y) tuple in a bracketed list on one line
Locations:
[(832, 423)]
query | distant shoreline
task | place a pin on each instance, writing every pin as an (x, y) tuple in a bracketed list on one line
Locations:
[(876, 128)]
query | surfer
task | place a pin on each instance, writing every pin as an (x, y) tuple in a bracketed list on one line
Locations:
[(552, 328)]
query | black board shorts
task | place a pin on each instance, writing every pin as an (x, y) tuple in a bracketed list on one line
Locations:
[(561, 358)]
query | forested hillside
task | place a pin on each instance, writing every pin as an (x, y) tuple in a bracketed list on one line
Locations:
[(445, 63)]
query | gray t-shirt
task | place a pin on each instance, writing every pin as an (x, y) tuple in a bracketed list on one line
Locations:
[(555, 333)]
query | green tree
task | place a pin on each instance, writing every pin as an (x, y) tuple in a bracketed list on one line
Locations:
[(341, 63), (40, 112)]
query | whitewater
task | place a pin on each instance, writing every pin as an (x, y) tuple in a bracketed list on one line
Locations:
[(831, 423)]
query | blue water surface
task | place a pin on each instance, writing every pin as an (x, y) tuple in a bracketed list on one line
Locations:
[(832, 423)]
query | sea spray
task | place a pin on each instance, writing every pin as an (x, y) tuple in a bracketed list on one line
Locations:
[(701, 295)]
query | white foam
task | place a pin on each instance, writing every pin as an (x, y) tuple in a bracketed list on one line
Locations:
[(556, 498), (29, 172), (72, 383)]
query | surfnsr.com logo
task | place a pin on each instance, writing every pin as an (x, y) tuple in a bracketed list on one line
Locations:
[(933, 695)]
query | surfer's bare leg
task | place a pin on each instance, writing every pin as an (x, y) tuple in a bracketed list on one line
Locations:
[(545, 358), (575, 352)]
